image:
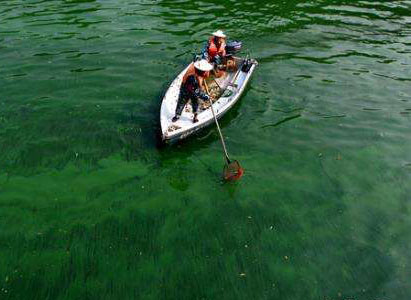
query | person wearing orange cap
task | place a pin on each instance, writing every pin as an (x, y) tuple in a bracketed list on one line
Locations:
[(191, 88)]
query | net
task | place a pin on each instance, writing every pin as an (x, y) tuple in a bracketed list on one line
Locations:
[(232, 171)]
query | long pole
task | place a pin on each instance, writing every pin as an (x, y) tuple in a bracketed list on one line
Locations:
[(218, 126)]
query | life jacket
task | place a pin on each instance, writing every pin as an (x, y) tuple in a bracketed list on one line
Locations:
[(213, 50)]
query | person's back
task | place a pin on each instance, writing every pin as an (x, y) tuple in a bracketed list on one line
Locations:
[(190, 71), (191, 84), (196, 80), (192, 88)]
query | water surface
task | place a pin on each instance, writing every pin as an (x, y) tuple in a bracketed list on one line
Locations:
[(91, 208)]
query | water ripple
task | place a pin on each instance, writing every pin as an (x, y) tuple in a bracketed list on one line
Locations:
[(323, 130)]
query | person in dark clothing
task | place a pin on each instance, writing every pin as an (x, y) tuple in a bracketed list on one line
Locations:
[(192, 88)]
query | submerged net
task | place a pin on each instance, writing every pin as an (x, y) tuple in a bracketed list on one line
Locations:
[(233, 171)]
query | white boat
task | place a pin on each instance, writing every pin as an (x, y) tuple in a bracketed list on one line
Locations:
[(229, 89)]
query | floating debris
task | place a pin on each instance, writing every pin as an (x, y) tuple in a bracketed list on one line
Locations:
[(371, 109), (282, 121), (173, 127), (333, 116)]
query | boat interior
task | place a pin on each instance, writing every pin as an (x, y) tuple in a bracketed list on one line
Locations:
[(218, 81)]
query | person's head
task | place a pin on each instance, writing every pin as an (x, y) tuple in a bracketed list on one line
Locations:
[(219, 37), (202, 67)]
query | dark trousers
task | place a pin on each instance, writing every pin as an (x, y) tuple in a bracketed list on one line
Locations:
[(182, 101)]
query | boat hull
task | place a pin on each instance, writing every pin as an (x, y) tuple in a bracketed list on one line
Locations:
[(234, 86)]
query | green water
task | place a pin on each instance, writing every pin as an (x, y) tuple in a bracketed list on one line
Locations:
[(91, 208)]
